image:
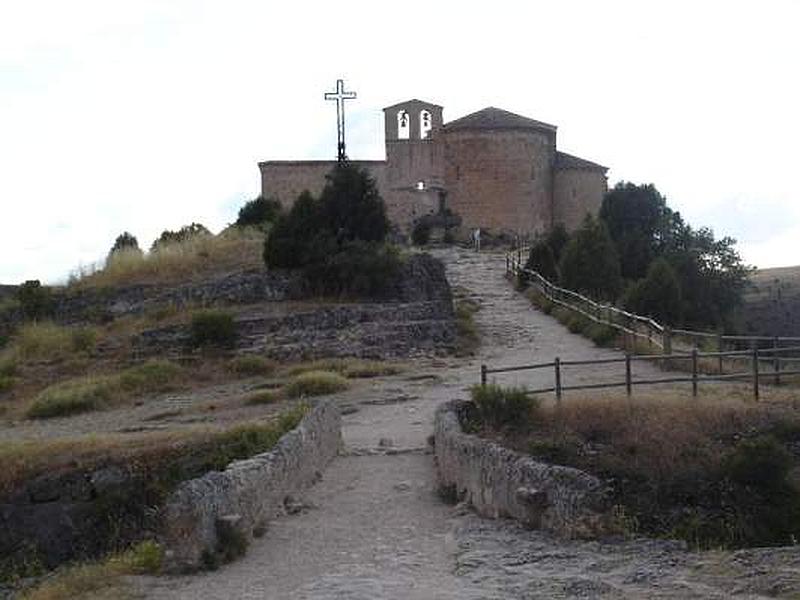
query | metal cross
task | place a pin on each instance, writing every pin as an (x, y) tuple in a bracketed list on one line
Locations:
[(340, 96)]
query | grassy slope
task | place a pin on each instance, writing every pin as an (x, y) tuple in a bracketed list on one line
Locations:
[(772, 303)]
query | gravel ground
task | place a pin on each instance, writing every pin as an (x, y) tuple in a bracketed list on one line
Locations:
[(375, 528)]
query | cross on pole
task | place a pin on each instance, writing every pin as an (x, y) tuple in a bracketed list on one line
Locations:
[(340, 96)]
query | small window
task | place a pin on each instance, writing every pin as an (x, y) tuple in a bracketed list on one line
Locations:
[(425, 124), (403, 125), (421, 186)]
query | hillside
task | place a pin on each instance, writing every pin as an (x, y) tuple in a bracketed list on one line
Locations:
[(772, 302)]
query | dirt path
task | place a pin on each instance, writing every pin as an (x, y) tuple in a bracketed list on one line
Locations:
[(374, 527)]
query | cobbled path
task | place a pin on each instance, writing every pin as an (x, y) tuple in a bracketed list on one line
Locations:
[(374, 528)]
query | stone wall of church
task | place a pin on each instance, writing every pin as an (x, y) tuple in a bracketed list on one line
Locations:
[(576, 193), (501, 180), (287, 179)]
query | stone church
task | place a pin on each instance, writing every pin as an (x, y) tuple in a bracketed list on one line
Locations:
[(494, 169)]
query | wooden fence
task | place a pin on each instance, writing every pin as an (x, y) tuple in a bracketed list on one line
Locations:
[(765, 366), (669, 341), (763, 356)]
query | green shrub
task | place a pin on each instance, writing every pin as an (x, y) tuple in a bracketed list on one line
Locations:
[(251, 439), (602, 335), (316, 383), (762, 462), (35, 300), (144, 558), (212, 328), (421, 234), (249, 365), (577, 323), (72, 397), (499, 407)]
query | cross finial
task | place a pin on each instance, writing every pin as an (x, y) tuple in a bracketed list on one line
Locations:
[(340, 96)]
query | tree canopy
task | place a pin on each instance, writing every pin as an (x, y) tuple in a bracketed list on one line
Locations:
[(258, 212), (710, 273), (589, 263), (338, 238)]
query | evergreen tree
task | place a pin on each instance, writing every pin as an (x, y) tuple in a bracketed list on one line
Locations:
[(125, 241), (590, 263), (259, 212), (658, 295)]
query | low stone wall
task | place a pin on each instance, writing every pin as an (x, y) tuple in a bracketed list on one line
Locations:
[(499, 482), (247, 494)]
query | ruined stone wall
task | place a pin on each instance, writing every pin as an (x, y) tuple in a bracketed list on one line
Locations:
[(287, 179), (500, 180), (498, 482), (248, 493), (577, 192)]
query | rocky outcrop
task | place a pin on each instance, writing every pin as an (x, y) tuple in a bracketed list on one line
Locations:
[(499, 482), (414, 317), (204, 515), (247, 287)]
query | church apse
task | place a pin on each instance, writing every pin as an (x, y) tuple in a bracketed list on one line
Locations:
[(494, 169)]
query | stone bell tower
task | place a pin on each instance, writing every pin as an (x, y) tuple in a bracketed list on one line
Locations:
[(414, 173), (413, 152)]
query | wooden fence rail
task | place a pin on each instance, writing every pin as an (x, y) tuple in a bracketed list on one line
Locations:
[(669, 341), (756, 358)]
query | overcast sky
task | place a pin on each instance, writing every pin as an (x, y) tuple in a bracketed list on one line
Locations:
[(150, 114)]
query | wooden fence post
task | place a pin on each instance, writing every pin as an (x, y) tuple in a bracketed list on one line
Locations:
[(667, 340), (483, 374), (557, 365), (755, 373), (719, 349), (628, 380), (777, 361), (694, 372)]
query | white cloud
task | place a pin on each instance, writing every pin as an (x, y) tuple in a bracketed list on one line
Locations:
[(151, 114)]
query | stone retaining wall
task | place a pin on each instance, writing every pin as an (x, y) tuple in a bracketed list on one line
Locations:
[(248, 493), (499, 482)]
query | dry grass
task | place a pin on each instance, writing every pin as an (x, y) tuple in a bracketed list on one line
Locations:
[(315, 383), (99, 392), (251, 365), (671, 460), (234, 249), (352, 368), (99, 579), (23, 460), (49, 341)]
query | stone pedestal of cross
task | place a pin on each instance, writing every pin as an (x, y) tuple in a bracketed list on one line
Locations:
[(340, 96)]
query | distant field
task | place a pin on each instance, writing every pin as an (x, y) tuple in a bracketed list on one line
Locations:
[(772, 303)]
